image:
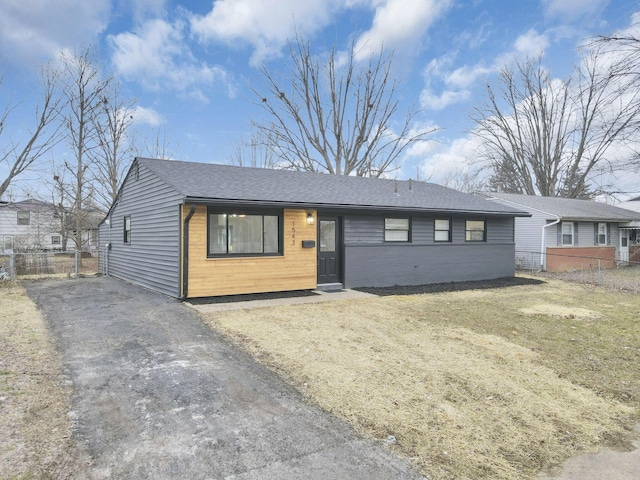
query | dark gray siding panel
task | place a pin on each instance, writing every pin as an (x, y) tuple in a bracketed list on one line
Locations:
[(388, 265), (363, 230), (152, 258)]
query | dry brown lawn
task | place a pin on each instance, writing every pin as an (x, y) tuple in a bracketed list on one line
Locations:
[(482, 384), (35, 430)]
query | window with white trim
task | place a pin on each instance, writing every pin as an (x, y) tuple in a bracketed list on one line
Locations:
[(567, 233), (602, 234), (56, 240)]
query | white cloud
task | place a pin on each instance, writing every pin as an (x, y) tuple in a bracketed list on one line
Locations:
[(157, 56), (433, 101), (148, 116), (451, 161), (265, 25), (399, 23), (572, 9), (531, 43), (35, 30)]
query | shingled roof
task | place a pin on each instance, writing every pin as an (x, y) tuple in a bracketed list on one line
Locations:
[(568, 208), (206, 182)]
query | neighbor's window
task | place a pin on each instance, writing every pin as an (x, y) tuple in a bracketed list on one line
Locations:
[(602, 234), (127, 229), (233, 233), (475, 231), (24, 218), (56, 240), (567, 233), (442, 230), (396, 230)]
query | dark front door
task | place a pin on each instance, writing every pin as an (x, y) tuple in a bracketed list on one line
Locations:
[(329, 262)]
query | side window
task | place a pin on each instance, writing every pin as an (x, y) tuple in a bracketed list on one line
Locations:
[(567, 233), (602, 234), (442, 230), (56, 240), (127, 229), (475, 231), (397, 230), (24, 218)]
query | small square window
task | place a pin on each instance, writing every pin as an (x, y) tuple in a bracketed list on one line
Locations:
[(442, 230), (24, 218), (475, 231), (127, 229), (56, 240), (396, 230)]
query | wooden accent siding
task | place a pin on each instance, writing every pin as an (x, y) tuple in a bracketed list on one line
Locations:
[(295, 270)]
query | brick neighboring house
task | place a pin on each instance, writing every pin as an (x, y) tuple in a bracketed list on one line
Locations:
[(566, 234), (35, 226)]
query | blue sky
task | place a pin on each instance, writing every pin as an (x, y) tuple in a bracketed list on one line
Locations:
[(191, 64)]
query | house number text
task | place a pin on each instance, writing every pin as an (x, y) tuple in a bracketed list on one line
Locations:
[(293, 233)]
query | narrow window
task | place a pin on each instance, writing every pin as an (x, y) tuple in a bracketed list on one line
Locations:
[(442, 230), (396, 229), (567, 233), (602, 234), (24, 218), (232, 233), (127, 229), (475, 231)]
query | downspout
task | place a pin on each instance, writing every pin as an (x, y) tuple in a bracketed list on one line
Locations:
[(543, 258), (185, 253)]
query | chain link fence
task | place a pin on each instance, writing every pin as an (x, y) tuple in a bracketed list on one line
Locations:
[(617, 274), (36, 265)]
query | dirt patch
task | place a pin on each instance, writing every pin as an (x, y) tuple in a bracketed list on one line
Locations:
[(559, 311), (464, 384), (35, 431)]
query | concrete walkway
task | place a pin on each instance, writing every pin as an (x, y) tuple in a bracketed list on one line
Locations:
[(159, 395)]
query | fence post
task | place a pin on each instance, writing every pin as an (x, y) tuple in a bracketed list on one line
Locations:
[(12, 265), (599, 274), (77, 263)]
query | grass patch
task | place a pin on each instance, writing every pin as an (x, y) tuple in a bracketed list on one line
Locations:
[(477, 384), (35, 432)]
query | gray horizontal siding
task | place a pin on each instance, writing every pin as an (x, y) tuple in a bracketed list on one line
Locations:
[(369, 229), (152, 258), (388, 265)]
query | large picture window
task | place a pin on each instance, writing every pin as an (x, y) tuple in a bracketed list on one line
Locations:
[(396, 230), (475, 231), (442, 230), (236, 233)]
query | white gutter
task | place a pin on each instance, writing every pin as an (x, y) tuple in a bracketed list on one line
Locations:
[(543, 258)]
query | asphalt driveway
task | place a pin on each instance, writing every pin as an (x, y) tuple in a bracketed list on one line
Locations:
[(157, 394)]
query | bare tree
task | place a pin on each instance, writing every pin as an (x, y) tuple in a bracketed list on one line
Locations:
[(112, 126), (335, 116), (549, 137), (254, 152), (20, 155), (158, 147), (84, 90)]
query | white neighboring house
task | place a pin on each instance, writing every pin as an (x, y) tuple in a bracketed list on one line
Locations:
[(29, 225), (565, 233)]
